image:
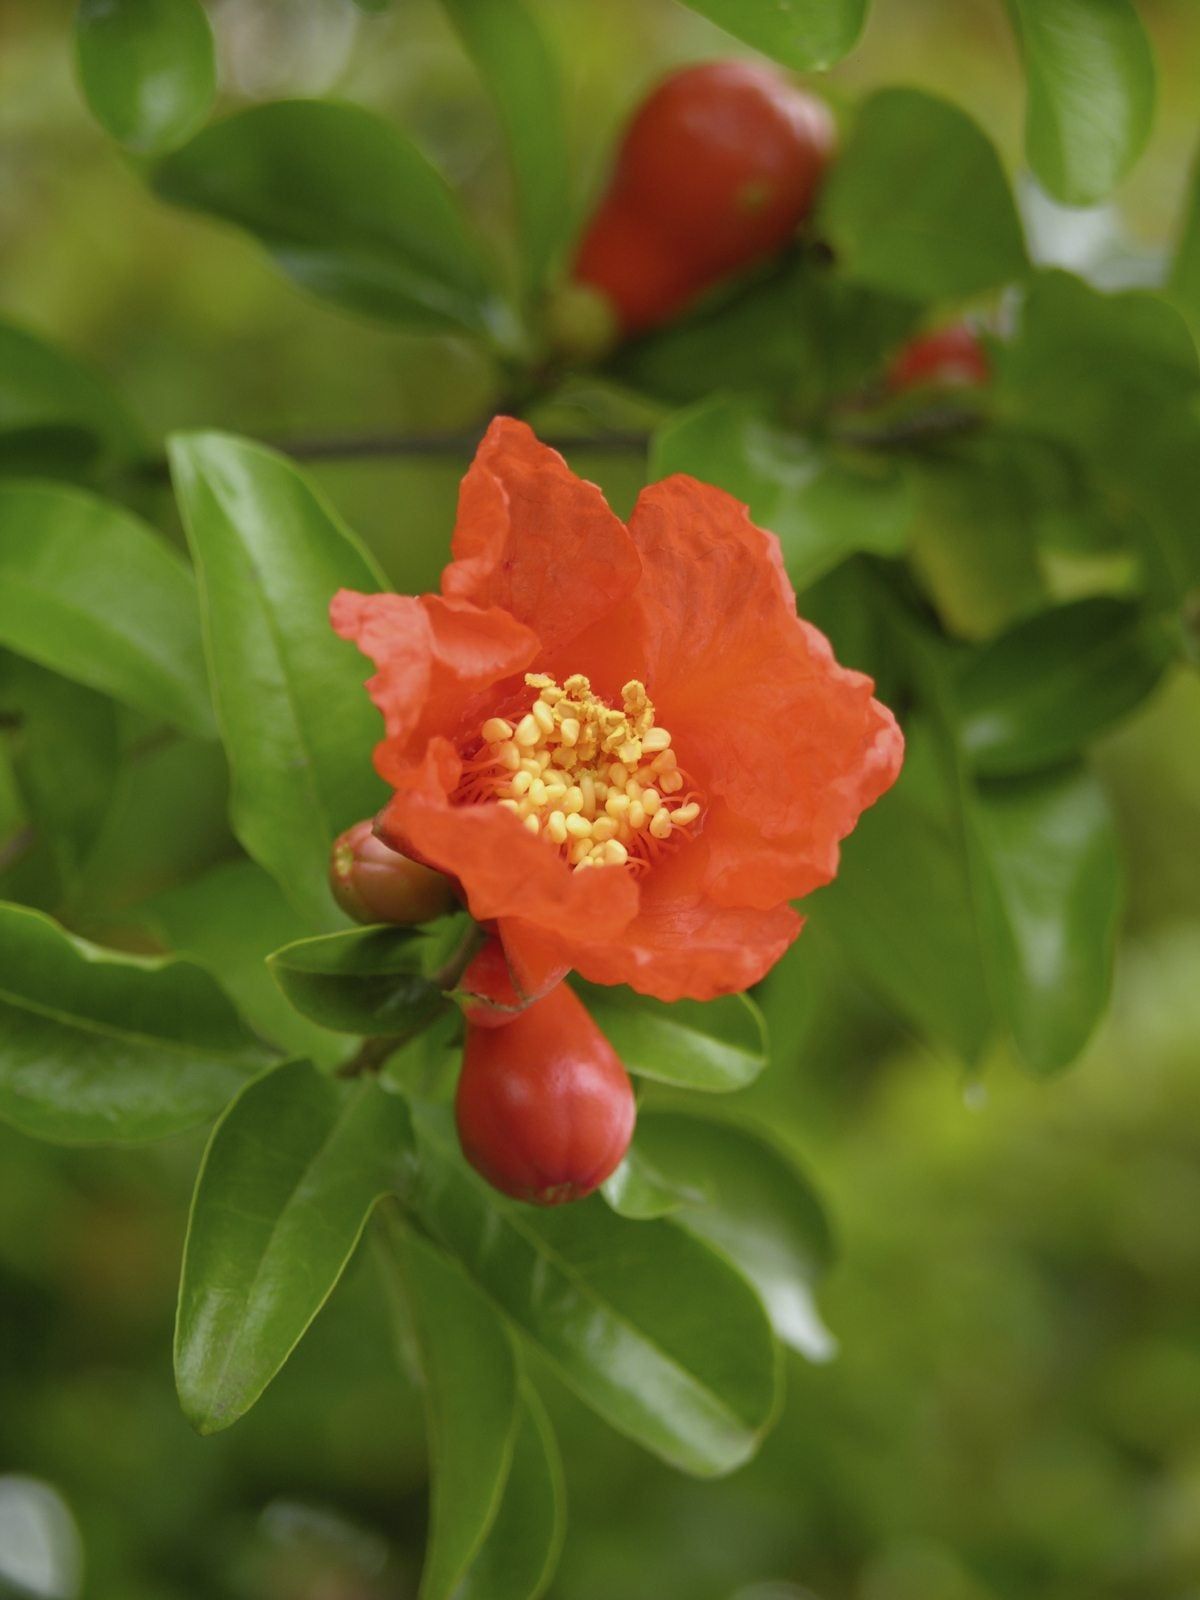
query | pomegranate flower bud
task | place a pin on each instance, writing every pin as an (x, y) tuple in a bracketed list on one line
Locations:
[(374, 884), (545, 1109)]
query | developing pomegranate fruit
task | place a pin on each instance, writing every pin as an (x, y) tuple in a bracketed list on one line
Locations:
[(718, 168), (372, 883), (545, 1110)]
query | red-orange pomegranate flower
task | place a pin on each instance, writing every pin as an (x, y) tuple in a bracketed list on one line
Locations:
[(621, 741)]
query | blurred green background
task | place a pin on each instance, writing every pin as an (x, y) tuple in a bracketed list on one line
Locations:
[(1013, 1411)]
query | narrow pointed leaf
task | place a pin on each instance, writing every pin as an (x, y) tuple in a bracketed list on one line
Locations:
[(1090, 75), (366, 980), (148, 68), (97, 1046), (712, 1045), (92, 593), (347, 206), (802, 34), (290, 1176), (470, 1376), (297, 727), (588, 1287), (519, 1555)]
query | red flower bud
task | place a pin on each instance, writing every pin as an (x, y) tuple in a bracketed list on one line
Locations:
[(490, 994), (545, 1109), (950, 358), (716, 171), (374, 884)]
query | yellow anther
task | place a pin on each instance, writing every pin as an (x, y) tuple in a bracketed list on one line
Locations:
[(563, 756), (587, 789), (637, 815), (495, 729), (579, 850), (616, 803), (630, 753), (527, 733), (618, 775), (539, 680), (660, 824), (508, 755), (543, 760), (686, 814), (578, 827), (604, 828), (651, 800), (633, 789), (554, 793), (510, 805), (584, 861), (543, 716), (537, 793), (520, 783), (556, 827), (531, 765), (656, 739), (573, 799), (671, 782), (615, 853), (577, 685), (533, 825), (568, 730), (665, 762)]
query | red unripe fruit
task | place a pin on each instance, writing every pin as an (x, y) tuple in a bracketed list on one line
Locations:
[(545, 1109), (718, 168), (491, 995), (374, 884), (947, 358)]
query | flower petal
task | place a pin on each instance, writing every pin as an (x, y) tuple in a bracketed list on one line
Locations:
[(536, 540)]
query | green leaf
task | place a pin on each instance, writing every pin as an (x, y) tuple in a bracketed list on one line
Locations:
[(639, 1191), (747, 1198), (697, 1389), (230, 919), (366, 980), (98, 1046), (292, 1171), (347, 206), (1090, 73), (295, 719), (822, 507), (918, 203), (712, 1045), (802, 34), (1039, 693), (514, 57), (56, 417), (90, 592), (1046, 875), (519, 1555), (148, 69), (900, 908), (471, 1399)]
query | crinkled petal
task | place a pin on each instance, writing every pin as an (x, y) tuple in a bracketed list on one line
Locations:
[(536, 540), (437, 659)]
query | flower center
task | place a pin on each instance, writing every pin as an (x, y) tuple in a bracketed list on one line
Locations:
[(602, 785)]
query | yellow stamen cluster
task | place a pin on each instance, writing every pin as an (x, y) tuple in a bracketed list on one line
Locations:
[(601, 784)]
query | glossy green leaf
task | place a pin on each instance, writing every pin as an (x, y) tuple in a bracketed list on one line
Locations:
[(744, 1196), (366, 980), (519, 1555), (90, 592), (1090, 75), (900, 908), (148, 69), (291, 1173), (588, 1287), (802, 34), (295, 719), (918, 203), (348, 207), (230, 919), (517, 64), (469, 1371), (822, 506), (1040, 692), (99, 1046), (1046, 877), (712, 1045), (638, 1190), (56, 417)]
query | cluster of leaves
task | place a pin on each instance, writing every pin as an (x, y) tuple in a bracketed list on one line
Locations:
[(1013, 566)]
